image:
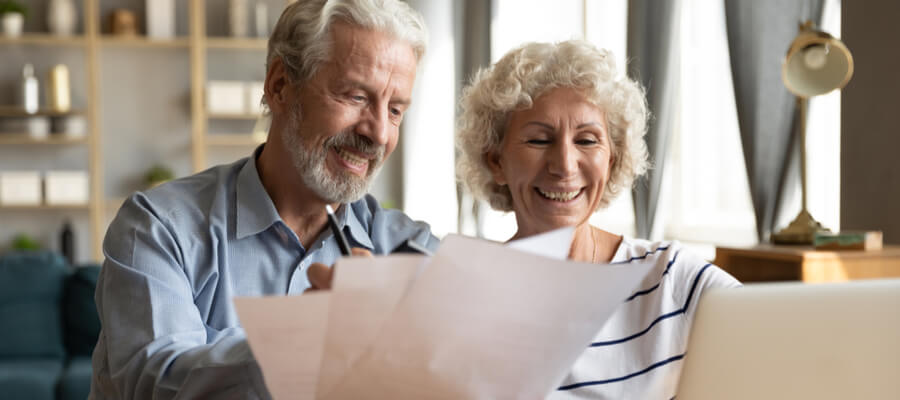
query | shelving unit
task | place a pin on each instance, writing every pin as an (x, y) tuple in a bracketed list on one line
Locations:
[(26, 139), (45, 207), (236, 43), (95, 44), (43, 39), (140, 41), (233, 139)]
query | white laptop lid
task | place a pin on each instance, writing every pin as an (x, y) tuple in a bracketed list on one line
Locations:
[(796, 341)]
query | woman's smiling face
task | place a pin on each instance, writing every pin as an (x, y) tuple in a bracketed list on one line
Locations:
[(555, 158)]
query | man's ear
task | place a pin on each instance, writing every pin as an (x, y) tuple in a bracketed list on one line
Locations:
[(276, 86), (492, 158)]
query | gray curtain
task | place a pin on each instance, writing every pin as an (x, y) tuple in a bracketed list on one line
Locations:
[(473, 49), (652, 48), (759, 33)]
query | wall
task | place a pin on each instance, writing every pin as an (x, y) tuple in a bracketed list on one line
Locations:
[(870, 136)]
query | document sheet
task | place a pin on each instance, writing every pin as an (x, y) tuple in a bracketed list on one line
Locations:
[(478, 320)]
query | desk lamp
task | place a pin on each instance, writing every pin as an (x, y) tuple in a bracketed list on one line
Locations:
[(816, 63)]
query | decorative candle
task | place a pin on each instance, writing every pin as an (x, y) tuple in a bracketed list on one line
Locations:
[(58, 93)]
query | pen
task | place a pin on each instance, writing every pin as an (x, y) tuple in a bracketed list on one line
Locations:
[(338, 235)]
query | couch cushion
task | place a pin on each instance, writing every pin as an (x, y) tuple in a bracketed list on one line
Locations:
[(80, 311), (30, 292), (33, 379), (75, 383)]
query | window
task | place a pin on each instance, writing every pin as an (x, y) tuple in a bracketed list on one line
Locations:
[(705, 195)]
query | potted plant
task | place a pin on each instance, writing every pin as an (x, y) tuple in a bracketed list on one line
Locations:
[(157, 175), (12, 17), (23, 242)]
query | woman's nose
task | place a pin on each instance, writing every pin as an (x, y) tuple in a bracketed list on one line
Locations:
[(563, 160)]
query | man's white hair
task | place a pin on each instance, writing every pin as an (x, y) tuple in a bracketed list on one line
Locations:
[(302, 39)]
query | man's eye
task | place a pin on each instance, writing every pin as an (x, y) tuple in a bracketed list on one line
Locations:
[(396, 112), (358, 98)]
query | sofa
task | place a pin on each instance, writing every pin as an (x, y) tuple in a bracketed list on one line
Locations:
[(48, 327)]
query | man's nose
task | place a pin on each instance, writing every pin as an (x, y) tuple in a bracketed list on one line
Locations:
[(563, 160), (374, 125)]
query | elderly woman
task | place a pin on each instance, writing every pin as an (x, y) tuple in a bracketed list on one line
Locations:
[(552, 133)]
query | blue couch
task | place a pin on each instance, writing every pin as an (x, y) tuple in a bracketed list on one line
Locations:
[(48, 327)]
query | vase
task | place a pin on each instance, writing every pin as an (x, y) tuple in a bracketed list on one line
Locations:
[(238, 18), (161, 19), (262, 19), (62, 17), (12, 23), (59, 97)]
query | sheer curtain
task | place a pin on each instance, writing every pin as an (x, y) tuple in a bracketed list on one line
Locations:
[(708, 192), (429, 183)]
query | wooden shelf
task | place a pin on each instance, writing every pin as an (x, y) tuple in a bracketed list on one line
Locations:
[(45, 207), (236, 43), (52, 139), (143, 42), (15, 111), (44, 39), (233, 139), (233, 116)]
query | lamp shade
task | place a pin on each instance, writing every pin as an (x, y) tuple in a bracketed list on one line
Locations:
[(816, 63)]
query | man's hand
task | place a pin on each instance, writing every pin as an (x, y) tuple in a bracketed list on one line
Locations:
[(320, 275)]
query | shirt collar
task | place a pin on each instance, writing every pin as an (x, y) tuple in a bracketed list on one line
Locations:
[(255, 210), (349, 222)]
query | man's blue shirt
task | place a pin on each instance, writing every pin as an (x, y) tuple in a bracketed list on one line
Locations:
[(175, 257)]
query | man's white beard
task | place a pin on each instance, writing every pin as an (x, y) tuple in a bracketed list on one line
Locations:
[(310, 163)]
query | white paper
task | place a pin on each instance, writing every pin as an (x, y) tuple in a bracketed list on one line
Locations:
[(365, 293), (285, 334), (476, 320), (554, 244)]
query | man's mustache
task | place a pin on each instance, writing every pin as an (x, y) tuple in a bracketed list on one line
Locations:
[(358, 143)]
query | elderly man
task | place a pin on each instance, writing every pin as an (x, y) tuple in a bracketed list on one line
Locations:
[(339, 78)]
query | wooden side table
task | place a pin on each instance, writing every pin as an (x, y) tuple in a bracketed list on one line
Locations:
[(768, 262)]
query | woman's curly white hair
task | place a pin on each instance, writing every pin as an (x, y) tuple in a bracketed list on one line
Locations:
[(523, 75)]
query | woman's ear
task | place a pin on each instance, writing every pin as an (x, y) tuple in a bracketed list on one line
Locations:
[(276, 85), (492, 158)]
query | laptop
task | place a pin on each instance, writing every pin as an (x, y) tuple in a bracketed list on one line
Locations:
[(795, 341)]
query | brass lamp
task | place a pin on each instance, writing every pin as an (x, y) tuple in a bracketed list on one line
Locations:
[(816, 63)]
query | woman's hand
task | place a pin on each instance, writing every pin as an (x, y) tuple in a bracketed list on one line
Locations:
[(320, 275)]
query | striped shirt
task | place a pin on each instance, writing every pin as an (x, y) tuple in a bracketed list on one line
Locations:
[(638, 352)]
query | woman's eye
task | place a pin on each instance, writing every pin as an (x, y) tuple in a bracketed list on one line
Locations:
[(539, 142), (586, 142)]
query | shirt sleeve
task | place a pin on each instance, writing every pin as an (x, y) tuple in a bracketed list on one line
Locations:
[(154, 343), (693, 276)]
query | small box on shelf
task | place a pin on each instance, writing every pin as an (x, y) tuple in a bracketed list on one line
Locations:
[(225, 97), (254, 92), (20, 188), (66, 188)]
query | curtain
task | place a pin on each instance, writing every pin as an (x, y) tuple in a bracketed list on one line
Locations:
[(473, 34), (652, 51), (759, 33), (429, 188)]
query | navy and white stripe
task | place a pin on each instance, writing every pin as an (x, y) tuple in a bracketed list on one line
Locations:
[(638, 351)]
